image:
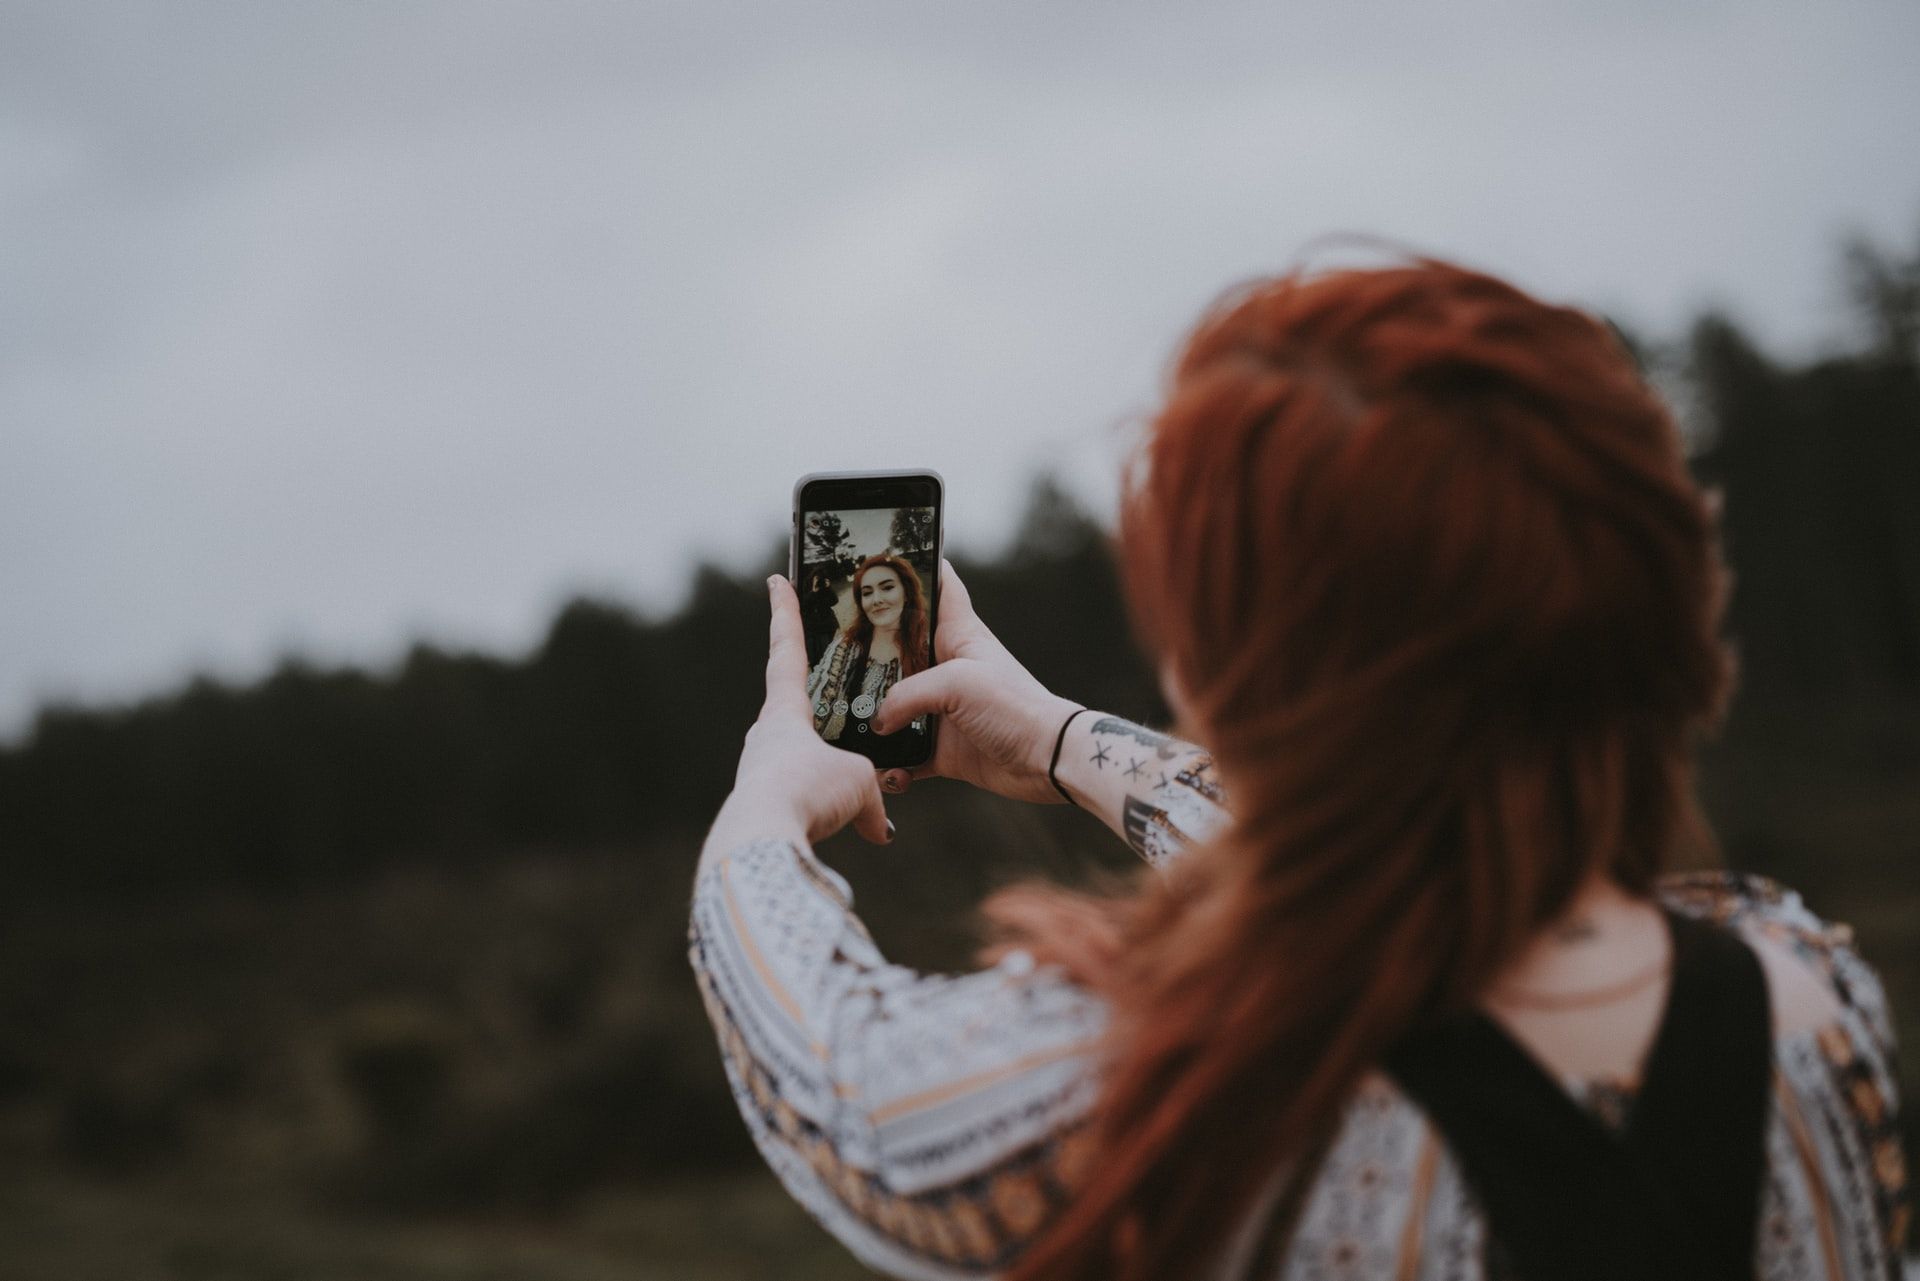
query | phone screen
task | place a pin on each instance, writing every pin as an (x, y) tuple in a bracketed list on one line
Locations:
[(867, 572)]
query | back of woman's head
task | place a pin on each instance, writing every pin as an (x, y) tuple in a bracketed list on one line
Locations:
[(1412, 529), (1425, 560)]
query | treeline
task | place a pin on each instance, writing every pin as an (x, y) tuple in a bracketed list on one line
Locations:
[(1821, 470), (620, 728)]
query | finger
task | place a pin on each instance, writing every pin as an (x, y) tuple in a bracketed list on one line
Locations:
[(933, 690), (896, 781), (872, 822), (786, 653)]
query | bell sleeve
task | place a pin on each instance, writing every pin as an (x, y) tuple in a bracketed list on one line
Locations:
[(931, 1123)]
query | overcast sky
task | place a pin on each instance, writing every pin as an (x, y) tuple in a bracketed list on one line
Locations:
[(326, 327)]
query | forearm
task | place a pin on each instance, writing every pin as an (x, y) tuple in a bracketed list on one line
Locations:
[(926, 1121), (1157, 793)]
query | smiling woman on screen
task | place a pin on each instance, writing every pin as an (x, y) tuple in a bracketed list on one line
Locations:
[(885, 642)]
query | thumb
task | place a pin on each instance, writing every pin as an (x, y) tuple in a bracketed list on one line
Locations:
[(872, 821), (935, 690)]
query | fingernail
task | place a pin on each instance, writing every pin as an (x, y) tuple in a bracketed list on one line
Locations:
[(889, 831), (771, 580), (888, 783)]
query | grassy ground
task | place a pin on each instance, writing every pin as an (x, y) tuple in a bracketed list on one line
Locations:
[(741, 1228)]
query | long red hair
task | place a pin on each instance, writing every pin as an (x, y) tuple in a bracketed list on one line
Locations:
[(1425, 558), (913, 617)]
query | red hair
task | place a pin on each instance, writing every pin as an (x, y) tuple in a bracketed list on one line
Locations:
[(913, 617), (1424, 555)]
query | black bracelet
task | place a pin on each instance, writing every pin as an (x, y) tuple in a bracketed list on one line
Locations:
[(1053, 765)]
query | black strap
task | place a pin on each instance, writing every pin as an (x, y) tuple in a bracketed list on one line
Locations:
[(1675, 1196), (1701, 1112)]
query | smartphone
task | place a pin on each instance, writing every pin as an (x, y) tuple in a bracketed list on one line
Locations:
[(865, 563)]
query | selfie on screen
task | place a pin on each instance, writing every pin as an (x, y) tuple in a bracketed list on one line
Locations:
[(865, 604)]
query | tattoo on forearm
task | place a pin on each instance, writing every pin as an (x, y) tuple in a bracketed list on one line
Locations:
[(1137, 820), (1100, 758), (1150, 832), (1166, 748), (1200, 776), (1133, 767)]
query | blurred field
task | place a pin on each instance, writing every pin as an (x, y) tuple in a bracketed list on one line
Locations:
[(739, 1228), (503, 1076)]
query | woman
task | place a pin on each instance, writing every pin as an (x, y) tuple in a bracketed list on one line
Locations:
[(1412, 992), (885, 642)]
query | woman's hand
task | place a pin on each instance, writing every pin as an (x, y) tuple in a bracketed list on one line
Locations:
[(791, 783), (998, 724)]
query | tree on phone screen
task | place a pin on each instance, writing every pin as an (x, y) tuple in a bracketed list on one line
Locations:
[(829, 544), (912, 534)]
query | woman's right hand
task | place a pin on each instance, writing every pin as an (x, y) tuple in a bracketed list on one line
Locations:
[(997, 723)]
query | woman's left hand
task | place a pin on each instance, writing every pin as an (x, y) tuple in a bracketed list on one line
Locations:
[(791, 782)]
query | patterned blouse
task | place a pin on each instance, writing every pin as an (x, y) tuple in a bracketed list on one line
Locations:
[(934, 1124), (826, 688)]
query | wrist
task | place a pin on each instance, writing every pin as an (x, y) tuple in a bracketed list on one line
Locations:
[(747, 815), (1042, 733), (1074, 714)]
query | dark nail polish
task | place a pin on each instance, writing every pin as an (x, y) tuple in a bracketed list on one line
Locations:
[(889, 831)]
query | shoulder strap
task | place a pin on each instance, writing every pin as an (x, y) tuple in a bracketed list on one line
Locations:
[(1700, 1116), (1677, 1196)]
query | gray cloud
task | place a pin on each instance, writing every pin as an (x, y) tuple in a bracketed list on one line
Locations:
[(324, 327)]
